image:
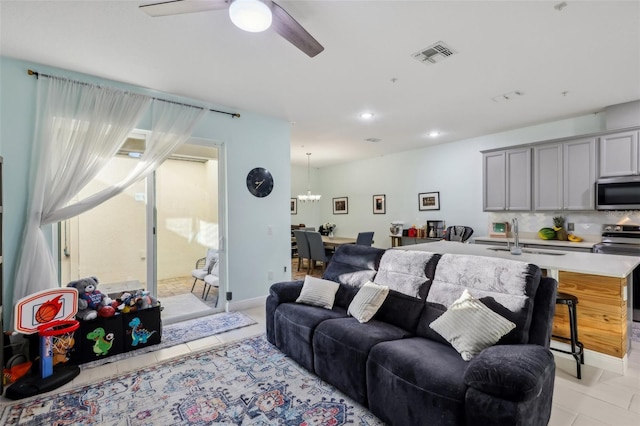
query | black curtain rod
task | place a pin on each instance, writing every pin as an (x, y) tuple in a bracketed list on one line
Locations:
[(232, 114)]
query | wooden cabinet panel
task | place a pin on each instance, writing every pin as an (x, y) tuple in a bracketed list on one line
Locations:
[(601, 309)]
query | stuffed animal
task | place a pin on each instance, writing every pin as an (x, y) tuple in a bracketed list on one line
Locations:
[(90, 299), (125, 303), (145, 300)]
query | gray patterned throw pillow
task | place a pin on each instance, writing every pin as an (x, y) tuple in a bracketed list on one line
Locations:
[(470, 326), (318, 292)]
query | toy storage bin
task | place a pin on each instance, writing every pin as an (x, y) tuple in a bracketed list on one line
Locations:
[(98, 338), (142, 328)]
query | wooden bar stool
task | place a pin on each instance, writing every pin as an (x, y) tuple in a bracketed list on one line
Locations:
[(577, 349)]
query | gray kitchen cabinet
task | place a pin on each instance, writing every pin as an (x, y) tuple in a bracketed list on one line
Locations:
[(564, 174), (507, 180), (547, 182), (619, 154)]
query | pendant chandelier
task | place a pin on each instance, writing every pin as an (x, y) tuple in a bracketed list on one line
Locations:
[(309, 196)]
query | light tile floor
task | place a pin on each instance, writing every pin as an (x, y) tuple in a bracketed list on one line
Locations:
[(600, 398)]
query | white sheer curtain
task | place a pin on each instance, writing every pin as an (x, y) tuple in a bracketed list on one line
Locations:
[(79, 128), (172, 125)]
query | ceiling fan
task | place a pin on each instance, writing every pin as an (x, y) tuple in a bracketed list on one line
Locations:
[(249, 15)]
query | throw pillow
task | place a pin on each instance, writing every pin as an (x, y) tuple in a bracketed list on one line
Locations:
[(470, 326), (367, 301), (318, 292)]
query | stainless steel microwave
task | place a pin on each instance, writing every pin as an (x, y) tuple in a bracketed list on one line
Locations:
[(618, 193)]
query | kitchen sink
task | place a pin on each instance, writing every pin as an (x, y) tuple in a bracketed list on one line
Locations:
[(528, 251)]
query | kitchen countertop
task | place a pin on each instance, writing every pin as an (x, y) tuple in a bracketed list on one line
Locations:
[(585, 263), (551, 243)]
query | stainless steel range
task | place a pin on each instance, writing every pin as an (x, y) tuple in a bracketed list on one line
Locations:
[(623, 240)]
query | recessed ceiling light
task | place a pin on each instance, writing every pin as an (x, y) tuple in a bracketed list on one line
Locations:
[(366, 115), (434, 133)]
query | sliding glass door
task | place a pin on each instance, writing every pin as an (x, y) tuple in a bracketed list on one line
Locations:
[(152, 234), (108, 242)]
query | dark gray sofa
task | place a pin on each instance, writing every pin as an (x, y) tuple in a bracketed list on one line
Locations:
[(402, 370)]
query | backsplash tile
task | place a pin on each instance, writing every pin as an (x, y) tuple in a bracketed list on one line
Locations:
[(587, 224)]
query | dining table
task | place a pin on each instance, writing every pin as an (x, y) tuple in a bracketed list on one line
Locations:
[(333, 242)]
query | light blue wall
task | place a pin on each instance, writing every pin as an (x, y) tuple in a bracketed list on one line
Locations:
[(250, 141), (453, 169)]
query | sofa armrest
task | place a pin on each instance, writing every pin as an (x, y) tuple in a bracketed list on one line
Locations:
[(511, 372), (283, 292), (287, 291)]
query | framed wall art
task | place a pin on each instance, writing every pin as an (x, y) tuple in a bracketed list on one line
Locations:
[(379, 204), (341, 205), (294, 206), (429, 201)]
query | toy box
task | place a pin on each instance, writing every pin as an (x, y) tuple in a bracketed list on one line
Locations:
[(98, 338), (142, 328)]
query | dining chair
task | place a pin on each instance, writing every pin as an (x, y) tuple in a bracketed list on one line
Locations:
[(317, 251), (303, 247), (458, 233), (364, 238)]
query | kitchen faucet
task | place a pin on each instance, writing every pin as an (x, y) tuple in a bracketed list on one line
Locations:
[(516, 239)]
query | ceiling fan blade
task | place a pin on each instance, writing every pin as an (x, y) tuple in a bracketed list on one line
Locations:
[(177, 7), (292, 31)]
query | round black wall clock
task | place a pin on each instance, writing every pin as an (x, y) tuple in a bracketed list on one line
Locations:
[(260, 182)]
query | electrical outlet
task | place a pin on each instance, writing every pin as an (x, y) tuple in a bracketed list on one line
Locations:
[(285, 269), (570, 226), (270, 275), (269, 230)]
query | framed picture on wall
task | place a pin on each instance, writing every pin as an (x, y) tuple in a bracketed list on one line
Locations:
[(379, 204), (341, 205), (294, 206), (429, 201)]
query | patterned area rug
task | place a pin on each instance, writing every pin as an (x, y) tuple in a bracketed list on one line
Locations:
[(185, 331), (635, 331), (244, 383)]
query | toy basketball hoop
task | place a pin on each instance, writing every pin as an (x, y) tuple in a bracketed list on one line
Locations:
[(50, 313), (56, 342)]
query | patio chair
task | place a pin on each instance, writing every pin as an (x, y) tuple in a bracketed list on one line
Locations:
[(213, 280), (203, 267)]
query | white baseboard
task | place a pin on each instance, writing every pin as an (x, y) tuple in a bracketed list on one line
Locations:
[(594, 359), (241, 305)]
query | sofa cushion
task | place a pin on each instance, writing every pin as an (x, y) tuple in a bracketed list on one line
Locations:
[(416, 381), (353, 265), (405, 271), (367, 301), (318, 292), (470, 326), (400, 310), (507, 287), (341, 348), (294, 325)]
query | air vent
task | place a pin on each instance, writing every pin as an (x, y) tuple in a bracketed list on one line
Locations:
[(434, 53), (373, 140)]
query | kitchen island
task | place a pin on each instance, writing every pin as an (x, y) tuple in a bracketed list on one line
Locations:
[(602, 285)]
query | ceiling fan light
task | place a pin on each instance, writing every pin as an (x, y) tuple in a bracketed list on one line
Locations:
[(250, 15)]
